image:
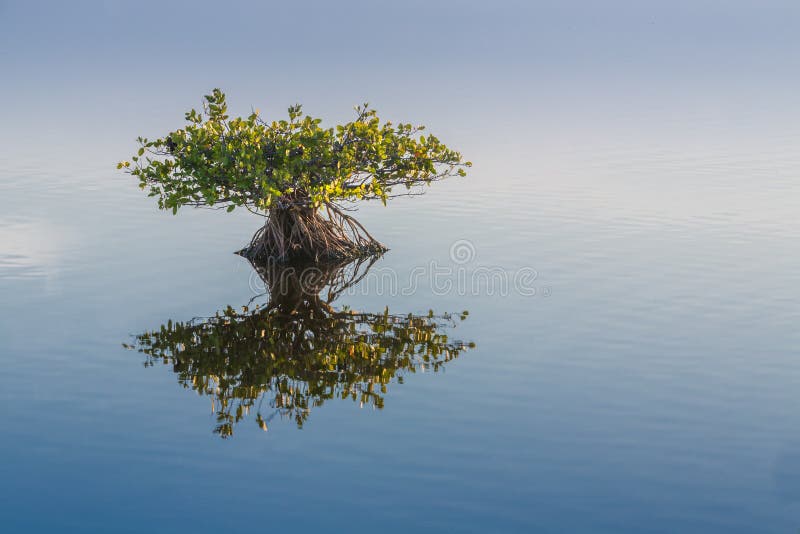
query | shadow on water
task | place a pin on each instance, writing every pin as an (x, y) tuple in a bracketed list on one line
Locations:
[(297, 351)]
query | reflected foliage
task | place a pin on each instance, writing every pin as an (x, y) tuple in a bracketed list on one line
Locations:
[(297, 351)]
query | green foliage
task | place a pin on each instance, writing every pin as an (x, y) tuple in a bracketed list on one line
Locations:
[(218, 161)]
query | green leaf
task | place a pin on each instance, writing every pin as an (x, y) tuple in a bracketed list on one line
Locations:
[(251, 163)]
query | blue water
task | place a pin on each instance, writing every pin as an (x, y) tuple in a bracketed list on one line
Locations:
[(640, 165)]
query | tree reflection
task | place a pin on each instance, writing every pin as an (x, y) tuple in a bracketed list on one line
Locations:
[(297, 351)]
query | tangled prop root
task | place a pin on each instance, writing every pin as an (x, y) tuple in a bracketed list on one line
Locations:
[(304, 233)]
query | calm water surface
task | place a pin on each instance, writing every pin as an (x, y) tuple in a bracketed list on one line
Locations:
[(650, 383)]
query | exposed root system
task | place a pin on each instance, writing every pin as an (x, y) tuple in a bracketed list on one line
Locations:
[(299, 232)]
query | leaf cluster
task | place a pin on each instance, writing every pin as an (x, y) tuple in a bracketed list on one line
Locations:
[(218, 161)]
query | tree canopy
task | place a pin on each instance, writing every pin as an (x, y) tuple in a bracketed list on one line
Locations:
[(249, 162)]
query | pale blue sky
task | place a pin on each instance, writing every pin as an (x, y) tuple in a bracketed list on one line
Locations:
[(520, 70)]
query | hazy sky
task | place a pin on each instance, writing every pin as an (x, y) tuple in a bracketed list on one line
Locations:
[(81, 73)]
